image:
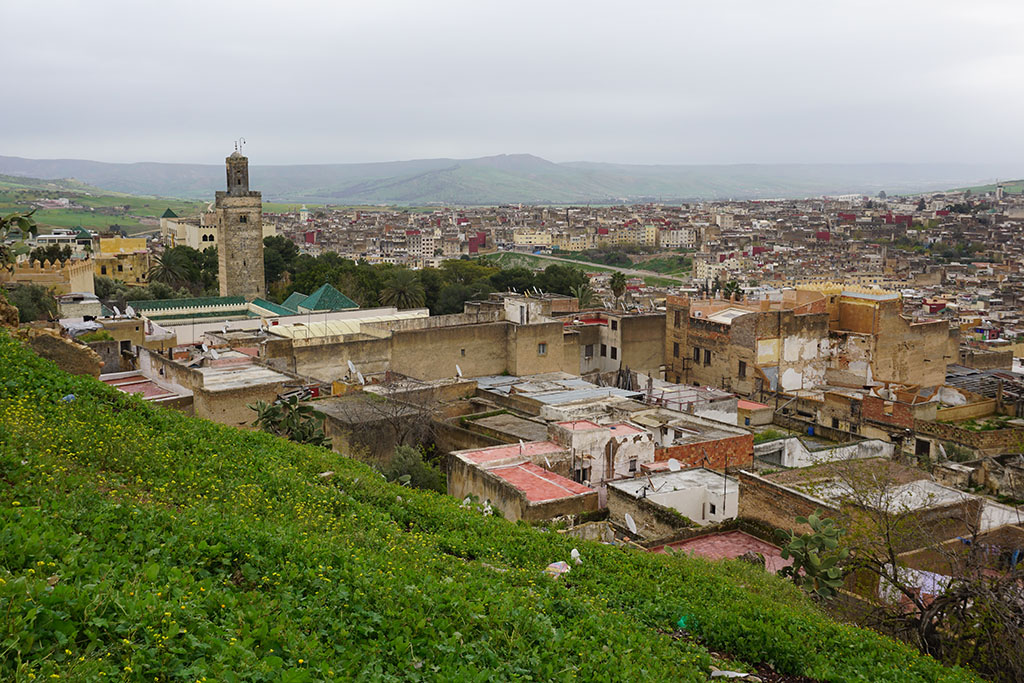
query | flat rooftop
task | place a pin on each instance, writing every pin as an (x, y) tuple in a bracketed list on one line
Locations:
[(662, 482), (538, 484), (239, 377), (514, 426), (729, 545), (135, 383), (482, 456), (551, 388)]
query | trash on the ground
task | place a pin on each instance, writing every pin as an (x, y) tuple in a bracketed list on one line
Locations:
[(575, 556), (556, 569), (738, 675)]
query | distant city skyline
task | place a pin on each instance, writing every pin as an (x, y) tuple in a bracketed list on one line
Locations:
[(651, 83)]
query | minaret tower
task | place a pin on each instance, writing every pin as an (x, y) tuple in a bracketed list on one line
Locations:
[(240, 232)]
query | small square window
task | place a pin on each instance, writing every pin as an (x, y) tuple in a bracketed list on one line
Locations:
[(463, 351), (696, 354), (243, 218), (707, 357), (711, 508), (542, 349), (632, 465), (615, 353), (615, 324), (743, 369), (604, 350)]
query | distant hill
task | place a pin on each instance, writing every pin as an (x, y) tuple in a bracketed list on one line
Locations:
[(512, 179), (1009, 186)]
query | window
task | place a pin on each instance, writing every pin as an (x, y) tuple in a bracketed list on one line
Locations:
[(588, 351), (835, 423), (243, 218), (604, 350), (696, 354), (675, 349), (746, 421), (711, 508), (103, 270), (743, 369), (922, 447), (463, 352), (675, 318), (120, 267), (615, 353), (542, 349), (615, 324), (632, 465), (707, 357)]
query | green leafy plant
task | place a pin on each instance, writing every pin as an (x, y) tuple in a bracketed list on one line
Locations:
[(290, 419), (815, 555)]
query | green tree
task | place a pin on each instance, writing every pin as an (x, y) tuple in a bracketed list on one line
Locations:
[(402, 289), (561, 279), (51, 253), (279, 254), (815, 555), (34, 302), (170, 268)]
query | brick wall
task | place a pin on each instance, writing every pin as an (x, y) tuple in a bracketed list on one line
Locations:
[(732, 451), (887, 412)]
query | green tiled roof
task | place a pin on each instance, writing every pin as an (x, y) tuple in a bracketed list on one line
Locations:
[(272, 307), (216, 315), (198, 302), (293, 301), (169, 214), (327, 298)]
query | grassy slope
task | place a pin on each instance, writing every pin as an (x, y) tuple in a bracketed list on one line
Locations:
[(146, 545)]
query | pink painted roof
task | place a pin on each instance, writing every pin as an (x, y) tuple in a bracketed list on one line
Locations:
[(729, 545), (538, 484), (485, 455), (744, 404), (579, 424), (137, 384), (623, 428)]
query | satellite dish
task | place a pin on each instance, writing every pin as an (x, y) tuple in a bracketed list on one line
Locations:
[(630, 523), (224, 330), (458, 370), (130, 311), (213, 352), (673, 465), (205, 348), (351, 367), (117, 312), (360, 376)]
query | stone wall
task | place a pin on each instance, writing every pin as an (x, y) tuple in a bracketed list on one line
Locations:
[(653, 521), (991, 441), (777, 505), (240, 245)]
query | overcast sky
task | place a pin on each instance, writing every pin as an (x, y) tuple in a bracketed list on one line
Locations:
[(675, 81)]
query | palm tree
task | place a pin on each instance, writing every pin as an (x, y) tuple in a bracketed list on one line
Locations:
[(403, 289), (732, 287), (169, 268), (618, 284), (585, 295)]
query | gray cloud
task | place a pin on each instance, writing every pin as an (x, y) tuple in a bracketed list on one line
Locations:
[(643, 82)]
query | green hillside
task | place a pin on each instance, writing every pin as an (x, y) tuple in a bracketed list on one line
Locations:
[(140, 544), (1009, 186), (102, 208)]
